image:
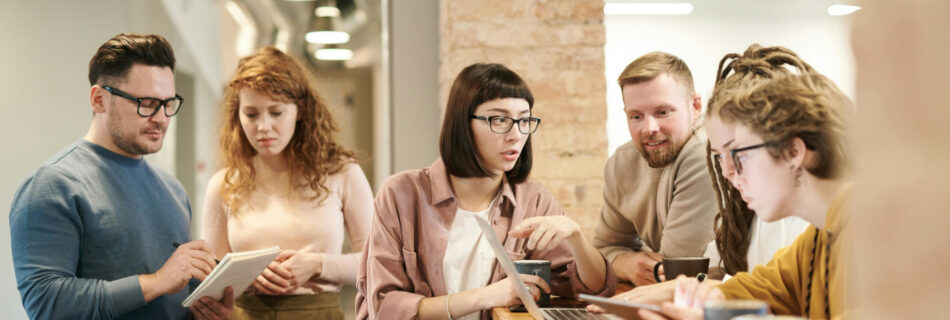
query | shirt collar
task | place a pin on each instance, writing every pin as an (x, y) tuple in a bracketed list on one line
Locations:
[(442, 186)]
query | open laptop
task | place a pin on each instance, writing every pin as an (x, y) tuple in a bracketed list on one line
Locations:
[(526, 298)]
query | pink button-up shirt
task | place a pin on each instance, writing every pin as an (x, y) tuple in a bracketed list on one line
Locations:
[(402, 261)]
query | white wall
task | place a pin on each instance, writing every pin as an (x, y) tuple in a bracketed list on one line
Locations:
[(702, 38), (44, 91), (415, 118)]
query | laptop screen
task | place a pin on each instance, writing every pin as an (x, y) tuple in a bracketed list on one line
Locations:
[(509, 267)]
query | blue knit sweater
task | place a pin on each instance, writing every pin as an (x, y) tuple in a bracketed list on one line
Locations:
[(85, 225)]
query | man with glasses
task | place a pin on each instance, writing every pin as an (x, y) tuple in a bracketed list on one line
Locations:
[(658, 201), (93, 228)]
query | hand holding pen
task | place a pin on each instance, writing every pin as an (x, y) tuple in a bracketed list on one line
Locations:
[(207, 307), (190, 260), (176, 244)]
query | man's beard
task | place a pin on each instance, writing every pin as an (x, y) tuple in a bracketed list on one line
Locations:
[(662, 157), (126, 142)]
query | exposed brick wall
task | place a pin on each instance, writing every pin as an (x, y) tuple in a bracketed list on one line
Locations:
[(557, 46)]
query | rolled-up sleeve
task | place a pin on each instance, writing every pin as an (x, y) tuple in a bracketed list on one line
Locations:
[(385, 289)]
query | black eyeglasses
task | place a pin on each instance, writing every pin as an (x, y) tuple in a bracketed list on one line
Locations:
[(737, 161), (503, 124), (148, 106)]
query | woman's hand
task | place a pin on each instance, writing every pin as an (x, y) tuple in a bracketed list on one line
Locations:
[(288, 271), (301, 265), (688, 300), (503, 293), (273, 281), (690, 293), (651, 294), (545, 233)]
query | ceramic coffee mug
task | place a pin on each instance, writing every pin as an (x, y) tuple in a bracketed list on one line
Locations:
[(688, 266), (540, 268)]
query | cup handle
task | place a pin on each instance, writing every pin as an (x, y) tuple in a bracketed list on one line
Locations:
[(656, 271)]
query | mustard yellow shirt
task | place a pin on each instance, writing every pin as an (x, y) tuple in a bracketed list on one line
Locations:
[(782, 282)]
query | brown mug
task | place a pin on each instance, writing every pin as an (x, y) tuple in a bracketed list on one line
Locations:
[(688, 266)]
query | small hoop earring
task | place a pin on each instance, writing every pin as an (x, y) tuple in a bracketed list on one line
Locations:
[(798, 176)]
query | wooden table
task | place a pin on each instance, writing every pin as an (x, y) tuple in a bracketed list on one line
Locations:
[(503, 313)]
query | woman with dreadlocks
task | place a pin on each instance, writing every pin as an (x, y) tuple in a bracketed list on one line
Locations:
[(742, 240), (789, 157)]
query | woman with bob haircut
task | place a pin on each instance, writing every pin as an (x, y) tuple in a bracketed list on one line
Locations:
[(426, 257), (790, 157), (286, 183)]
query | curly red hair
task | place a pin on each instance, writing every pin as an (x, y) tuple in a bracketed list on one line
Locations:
[(312, 154)]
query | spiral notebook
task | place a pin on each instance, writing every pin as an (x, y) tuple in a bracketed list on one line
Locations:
[(237, 269)]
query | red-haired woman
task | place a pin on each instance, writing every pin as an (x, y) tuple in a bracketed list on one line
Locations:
[(286, 182)]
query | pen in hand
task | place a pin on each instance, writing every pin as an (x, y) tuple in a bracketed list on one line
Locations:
[(176, 244)]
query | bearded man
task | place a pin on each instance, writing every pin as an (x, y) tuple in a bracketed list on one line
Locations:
[(658, 200)]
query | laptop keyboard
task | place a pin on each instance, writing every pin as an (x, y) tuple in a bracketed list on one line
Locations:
[(570, 314)]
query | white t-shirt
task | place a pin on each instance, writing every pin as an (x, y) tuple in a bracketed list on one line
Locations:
[(767, 238), (469, 257)]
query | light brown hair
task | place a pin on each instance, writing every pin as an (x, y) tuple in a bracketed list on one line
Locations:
[(807, 106), (651, 65), (312, 154)]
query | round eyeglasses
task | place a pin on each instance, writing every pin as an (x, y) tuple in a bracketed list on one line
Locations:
[(503, 124), (148, 106), (739, 161)]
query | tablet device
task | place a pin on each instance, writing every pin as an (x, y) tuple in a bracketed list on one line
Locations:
[(623, 309)]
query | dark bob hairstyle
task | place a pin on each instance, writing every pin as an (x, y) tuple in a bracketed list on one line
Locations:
[(475, 85)]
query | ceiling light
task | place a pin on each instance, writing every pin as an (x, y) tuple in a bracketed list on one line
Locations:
[(327, 11), (327, 37), (327, 30), (647, 8), (842, 10), (334, 54)]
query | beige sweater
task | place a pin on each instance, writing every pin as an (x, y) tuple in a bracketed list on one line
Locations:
[(668, 210), (309, 227)]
